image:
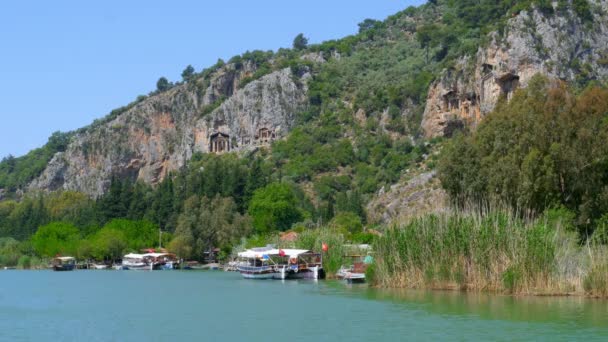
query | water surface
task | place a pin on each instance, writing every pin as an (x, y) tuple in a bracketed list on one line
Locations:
[(217, 306)]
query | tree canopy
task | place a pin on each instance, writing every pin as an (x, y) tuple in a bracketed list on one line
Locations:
[(274, 208), (546, 148), (300, 42), (188, 73), (56, 238), (163, 84)]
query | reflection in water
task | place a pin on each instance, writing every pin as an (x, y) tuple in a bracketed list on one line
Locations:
[(221, 306), (579, 311)]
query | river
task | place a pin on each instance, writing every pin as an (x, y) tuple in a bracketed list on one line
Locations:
[(217, 306)]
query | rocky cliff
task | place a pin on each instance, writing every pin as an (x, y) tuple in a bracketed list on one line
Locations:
[(412, 197), (159, 134), (560, 45)]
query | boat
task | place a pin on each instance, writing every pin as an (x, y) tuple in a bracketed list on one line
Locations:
[(256, 263), (355, 273), (231, 266), (161, 261), (298, 264), (99, 266), (150, 261), (272, 263), (133, 261), (66, 263)]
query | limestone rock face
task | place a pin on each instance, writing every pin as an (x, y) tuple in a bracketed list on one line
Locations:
[(159, 134), (257, 114), (559, 46), (421, 194)]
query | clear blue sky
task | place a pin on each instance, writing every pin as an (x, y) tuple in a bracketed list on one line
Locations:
[(65, 63)]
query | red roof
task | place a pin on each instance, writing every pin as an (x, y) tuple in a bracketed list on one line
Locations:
[(289, 236)]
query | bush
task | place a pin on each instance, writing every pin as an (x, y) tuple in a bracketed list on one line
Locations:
[(347, 223), (25, 262)]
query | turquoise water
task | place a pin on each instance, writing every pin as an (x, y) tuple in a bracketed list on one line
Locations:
[(217, 306)]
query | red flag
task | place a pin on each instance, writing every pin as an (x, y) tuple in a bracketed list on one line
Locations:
[(325, 247), (281, 252)]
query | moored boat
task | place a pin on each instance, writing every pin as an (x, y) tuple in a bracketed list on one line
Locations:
[(161, 261), (149, 261), (66, 263), (268, 262), (99, 266), (352, 274), (298, 264), (133, 261), (257, 264), (355, 273)]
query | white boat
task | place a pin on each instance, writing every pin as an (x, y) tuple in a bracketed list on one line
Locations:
[(255, 263), (268, 262), (161, 261), (298, 264), (149, 261), (134, 261), (351, 275), (355, 273), (99, 266)]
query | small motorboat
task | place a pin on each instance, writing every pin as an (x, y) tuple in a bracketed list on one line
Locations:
[(99, 266), (350, 275), (356, 272), (66, 263)]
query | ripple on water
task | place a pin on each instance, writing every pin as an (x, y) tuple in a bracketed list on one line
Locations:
[(169, 306)]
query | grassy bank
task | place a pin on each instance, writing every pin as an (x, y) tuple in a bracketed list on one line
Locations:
[(494, 252)]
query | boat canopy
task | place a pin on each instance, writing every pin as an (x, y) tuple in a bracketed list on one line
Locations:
[(257, 254), (66, 258), (155, 255), (134, 256)]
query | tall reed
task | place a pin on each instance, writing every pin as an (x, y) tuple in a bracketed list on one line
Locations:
[(314, 239), (488, 251)]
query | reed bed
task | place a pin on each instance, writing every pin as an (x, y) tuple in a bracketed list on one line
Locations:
[(489, 251), (334, 258)]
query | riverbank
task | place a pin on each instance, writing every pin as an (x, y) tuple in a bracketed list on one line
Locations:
[(490, 252)]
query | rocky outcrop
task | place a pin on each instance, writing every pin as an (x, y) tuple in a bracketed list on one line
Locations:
[(419, 195), (159, 134), (259, 113), (558, 45)]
